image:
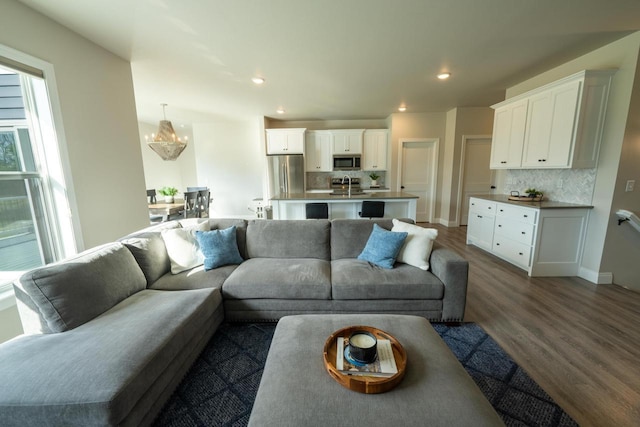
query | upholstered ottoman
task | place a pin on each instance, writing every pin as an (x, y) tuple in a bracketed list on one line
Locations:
[(296, 390)]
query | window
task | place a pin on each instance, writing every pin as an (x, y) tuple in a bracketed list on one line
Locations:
[(35, 220)]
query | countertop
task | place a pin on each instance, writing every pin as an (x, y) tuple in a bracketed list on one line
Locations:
[(545, 204), (329, 197)]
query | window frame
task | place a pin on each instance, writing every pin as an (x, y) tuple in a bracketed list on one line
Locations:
[(48, 142)]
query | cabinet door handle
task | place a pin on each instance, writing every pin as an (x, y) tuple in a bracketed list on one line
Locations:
[(501, 210), (520, 253), (479, 216), (497, 244), (489, 207), (499, 225), (524, 232), (526, 216), (503, 162)]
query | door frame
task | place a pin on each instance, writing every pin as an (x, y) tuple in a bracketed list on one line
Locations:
[(465, 139), (435, 142)]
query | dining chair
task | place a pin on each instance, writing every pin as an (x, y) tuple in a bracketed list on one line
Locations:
[(191, 206), (151, 194), (203, 203), (151, 199)]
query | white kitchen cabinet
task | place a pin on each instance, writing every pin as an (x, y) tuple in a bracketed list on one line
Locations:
[(481, 222), (513, 234), (374, 150), (563, 126), (508, 135), (550, 127), (285, 141), (318, 151), (543, 242), (347, 141)]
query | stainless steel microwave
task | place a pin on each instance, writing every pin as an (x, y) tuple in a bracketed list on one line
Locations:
[(346, 163)]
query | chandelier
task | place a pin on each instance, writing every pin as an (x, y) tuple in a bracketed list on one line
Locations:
[(166, 144)]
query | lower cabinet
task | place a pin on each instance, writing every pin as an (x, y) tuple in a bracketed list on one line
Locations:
[(543, 242)]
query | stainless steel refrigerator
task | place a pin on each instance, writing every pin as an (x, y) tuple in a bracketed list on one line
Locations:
[(286, 174)]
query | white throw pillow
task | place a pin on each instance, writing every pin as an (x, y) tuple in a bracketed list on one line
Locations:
[(182, 247), (417, 247)]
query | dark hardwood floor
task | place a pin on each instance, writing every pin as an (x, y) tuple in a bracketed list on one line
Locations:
[(579, 341)]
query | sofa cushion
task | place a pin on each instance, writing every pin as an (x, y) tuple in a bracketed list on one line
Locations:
[(349, 236), (196, 278), (72, 292), (301, 278), (289, 239), (96, 373), (383, 247), (241, 231), (219, 247), (418, 245), (182, 247), (356, 279)]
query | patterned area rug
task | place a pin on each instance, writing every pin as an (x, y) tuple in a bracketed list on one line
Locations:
[(220, 388)]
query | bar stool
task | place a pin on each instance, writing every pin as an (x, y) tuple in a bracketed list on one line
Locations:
[(317, 210), (371, 209)]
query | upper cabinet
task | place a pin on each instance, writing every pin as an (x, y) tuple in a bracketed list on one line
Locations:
[(318, 151), (347, 141), (374, 152), (285, 141), (508, 135), (563, 125)]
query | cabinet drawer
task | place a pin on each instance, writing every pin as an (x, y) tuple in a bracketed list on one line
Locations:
[(517, 213), (521, 232), (516, 252), (482, 206)]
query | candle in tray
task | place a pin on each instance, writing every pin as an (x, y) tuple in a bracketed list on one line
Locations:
[(362, 346)]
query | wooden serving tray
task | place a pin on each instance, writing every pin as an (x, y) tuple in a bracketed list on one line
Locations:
[(526, 198), (364, 384)]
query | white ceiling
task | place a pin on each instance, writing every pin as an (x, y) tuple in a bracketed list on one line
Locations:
[(336, 59)]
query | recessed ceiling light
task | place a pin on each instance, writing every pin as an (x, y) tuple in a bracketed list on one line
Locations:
[(402, 109), (257, 80), (280, 111), (444, 76)]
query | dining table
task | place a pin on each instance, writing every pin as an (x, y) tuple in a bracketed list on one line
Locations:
[(166, 209)]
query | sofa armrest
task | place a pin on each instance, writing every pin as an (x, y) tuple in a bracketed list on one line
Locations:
[(453, 271)]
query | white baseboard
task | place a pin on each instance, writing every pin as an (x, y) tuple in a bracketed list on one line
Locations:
[(447, 223), (595, 276)]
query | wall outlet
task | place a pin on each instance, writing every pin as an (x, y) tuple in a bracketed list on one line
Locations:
[(630, 185)]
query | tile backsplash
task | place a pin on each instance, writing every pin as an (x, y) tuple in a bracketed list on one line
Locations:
[(561, 185), (322, 180)]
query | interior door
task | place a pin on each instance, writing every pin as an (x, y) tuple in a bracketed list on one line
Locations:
[(418, 175), (477, 178)]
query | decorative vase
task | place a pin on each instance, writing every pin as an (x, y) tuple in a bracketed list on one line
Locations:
[(374, 182), (168, 199)]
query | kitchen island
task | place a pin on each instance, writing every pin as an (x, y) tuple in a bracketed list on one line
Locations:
[(292, 206)]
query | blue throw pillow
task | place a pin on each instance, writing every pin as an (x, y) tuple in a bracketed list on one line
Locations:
[(383, 247), (219, 247)]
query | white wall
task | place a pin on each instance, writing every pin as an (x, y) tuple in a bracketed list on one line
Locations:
[(99, 122), (623, 55), (98, 118), (460, 122), (622, 244), (230, 160)]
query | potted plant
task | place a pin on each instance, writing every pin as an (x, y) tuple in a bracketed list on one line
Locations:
[(168, 193), (374, 179), (533, 193)]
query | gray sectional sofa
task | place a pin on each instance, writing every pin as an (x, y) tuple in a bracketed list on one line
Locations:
[(111, 332)]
